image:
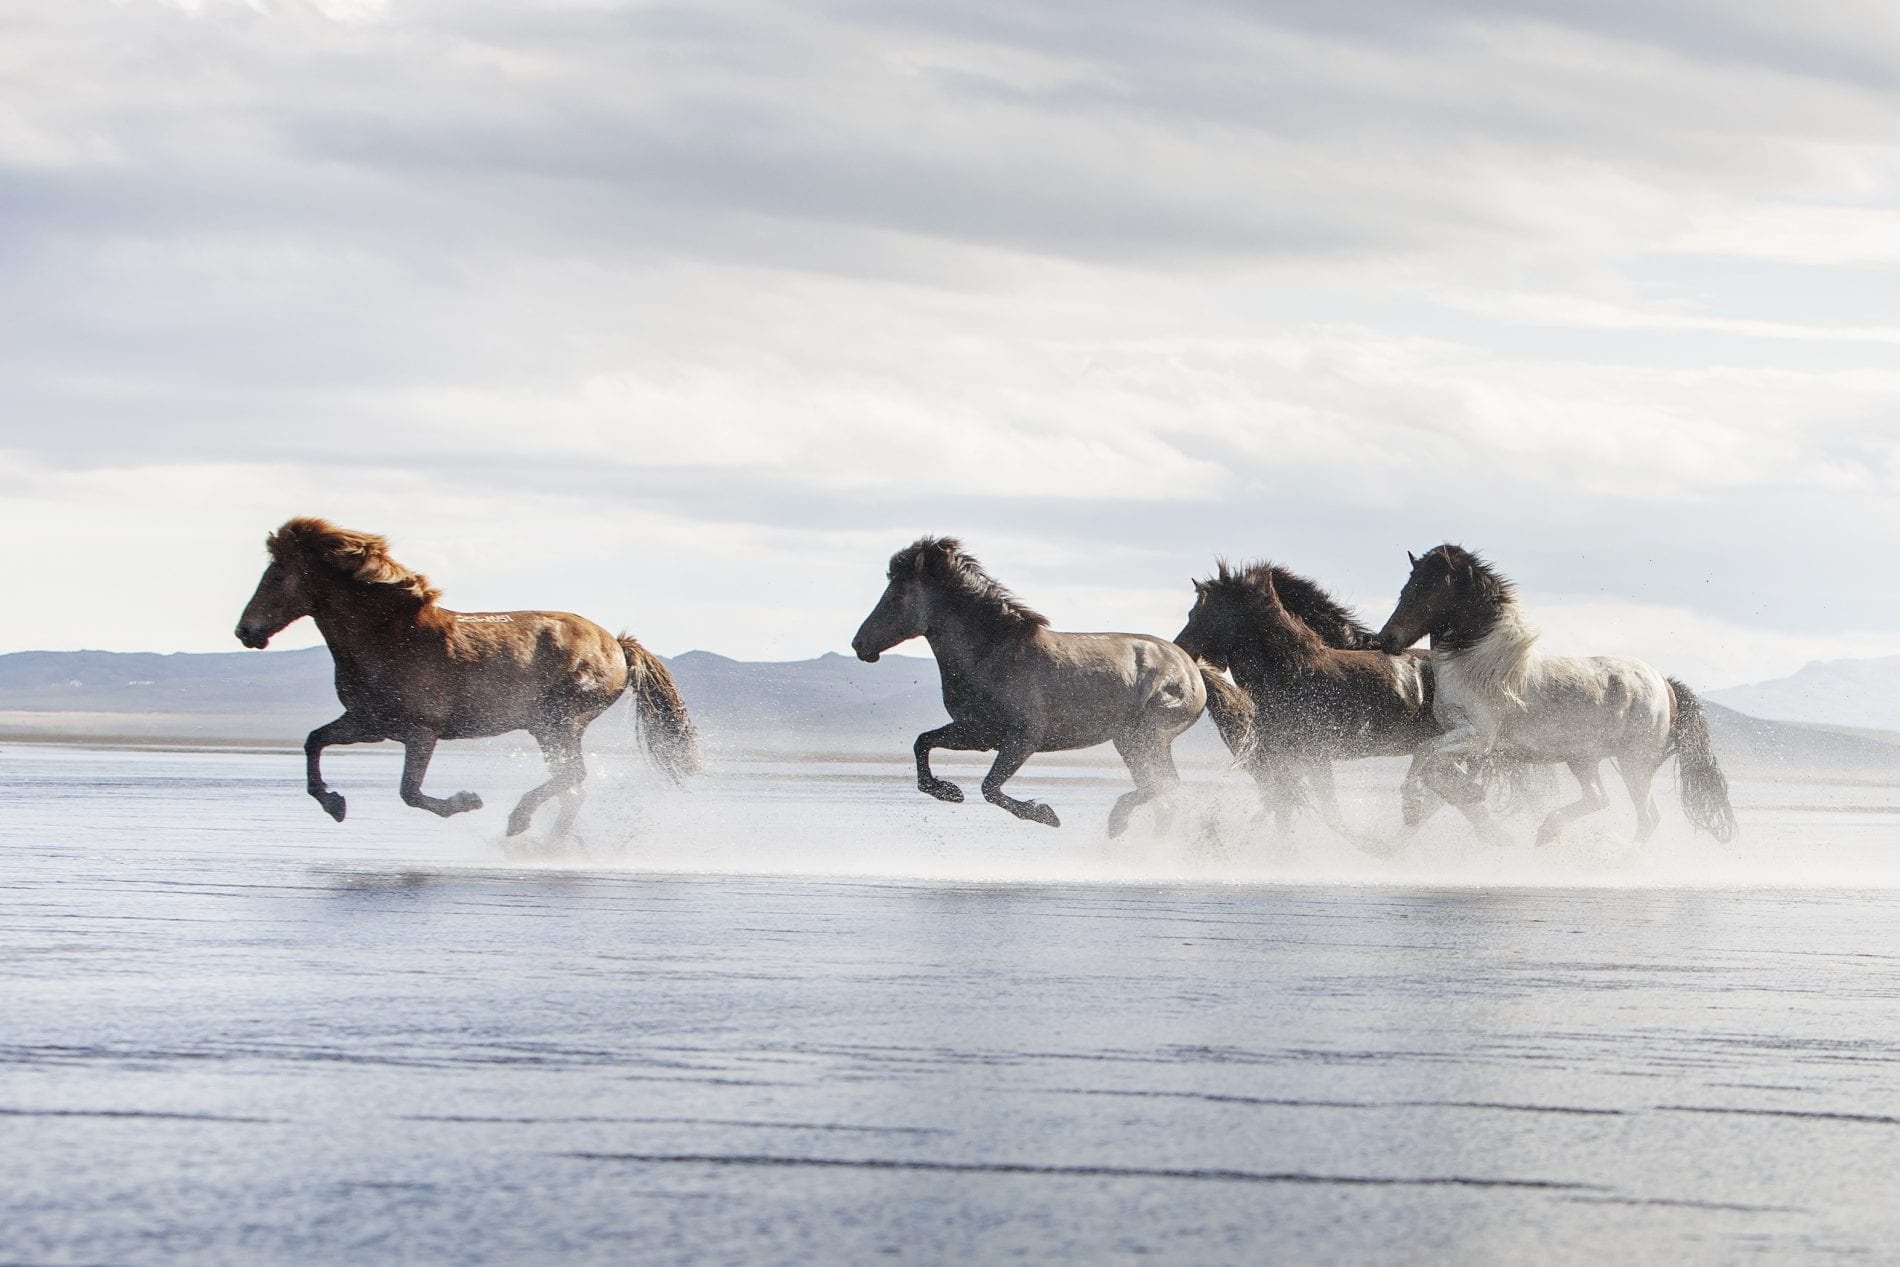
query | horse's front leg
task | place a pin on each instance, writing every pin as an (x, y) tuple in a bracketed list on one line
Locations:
[(345, 729), (956, 739), (1438, 767), (1009, 759), (416, 751), (1416, 801)]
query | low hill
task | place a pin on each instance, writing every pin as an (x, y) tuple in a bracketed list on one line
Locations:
[(1856, 693), (834, 703)]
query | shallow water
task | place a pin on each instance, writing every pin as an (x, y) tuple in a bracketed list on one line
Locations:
[(801, 1013)]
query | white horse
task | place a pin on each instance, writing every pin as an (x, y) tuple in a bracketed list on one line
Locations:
[(1498, 696)]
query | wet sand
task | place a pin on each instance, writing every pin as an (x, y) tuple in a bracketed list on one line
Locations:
[(803, 1014)]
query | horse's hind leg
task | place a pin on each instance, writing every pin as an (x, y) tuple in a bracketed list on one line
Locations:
[(345, 729), (415, 763), (1009, 759), (567, 771), (1590, 781), (1150, 759), (1639, 774)]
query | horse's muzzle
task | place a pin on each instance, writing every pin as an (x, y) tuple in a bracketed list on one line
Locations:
[(869, 657), (252, 638)]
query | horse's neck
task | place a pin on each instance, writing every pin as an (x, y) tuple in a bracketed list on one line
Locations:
[(361, 628), (1278, 650), (959, 643), (1494, 669)]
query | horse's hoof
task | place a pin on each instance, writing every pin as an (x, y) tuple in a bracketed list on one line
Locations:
[(1116, 826), (943, 790), (333, 804), (463, 802), (1037, 812)]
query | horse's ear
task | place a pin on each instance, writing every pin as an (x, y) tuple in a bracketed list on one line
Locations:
[(1411, 558)]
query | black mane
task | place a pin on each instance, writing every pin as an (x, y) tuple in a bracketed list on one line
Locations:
[(1325, 615), (1482, 591), (941, 561), (1485, 582)]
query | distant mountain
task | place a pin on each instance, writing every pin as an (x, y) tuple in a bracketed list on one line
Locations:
[(1864, 693), (1758, 745), (142, 682), (277, 696), (834, 703)]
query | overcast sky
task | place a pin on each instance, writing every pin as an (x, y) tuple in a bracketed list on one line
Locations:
[(686, 317)]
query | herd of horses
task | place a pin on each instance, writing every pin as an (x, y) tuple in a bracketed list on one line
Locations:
[(1308, 685)]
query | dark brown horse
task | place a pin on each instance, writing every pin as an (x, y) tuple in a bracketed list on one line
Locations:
[(1314, 702), (413, 671), (1013, 685)]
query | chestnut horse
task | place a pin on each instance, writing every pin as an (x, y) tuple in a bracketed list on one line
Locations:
[(413, 671), (1499, 696), (1013, 685)]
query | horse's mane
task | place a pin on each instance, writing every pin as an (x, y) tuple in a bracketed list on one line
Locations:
[(1496, 658), (958, 575), (1334, 623), (1491, 585), (361, 557)]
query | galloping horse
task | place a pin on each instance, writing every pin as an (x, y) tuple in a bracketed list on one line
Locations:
[(1316, 700), (1013, 685), (413, 671), (1499, 696)]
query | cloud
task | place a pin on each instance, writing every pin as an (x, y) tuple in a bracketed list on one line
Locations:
[(700, 311)]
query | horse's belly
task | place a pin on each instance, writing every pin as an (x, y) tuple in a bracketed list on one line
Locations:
[(1584, 736)]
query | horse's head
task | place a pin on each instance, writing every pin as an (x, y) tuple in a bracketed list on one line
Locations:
[(1217, 622), (283, 595), (1441, 592), (903, 612)]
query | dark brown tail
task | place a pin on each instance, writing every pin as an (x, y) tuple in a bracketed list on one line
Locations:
[(1704, 786), (1232, 711), (665, 731)]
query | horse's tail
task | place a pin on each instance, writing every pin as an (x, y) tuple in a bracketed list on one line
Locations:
[(1704, 786), (1233, 713), (665, 731)]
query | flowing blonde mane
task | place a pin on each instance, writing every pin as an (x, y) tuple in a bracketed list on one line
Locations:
[(362, 557)]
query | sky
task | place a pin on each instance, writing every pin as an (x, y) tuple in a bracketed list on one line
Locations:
[(685, 317)]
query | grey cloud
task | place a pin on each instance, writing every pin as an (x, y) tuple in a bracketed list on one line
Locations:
[(271, 232)]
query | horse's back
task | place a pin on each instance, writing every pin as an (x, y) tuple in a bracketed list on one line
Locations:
[(1122, 678), (1579, 706), (512, 670)]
